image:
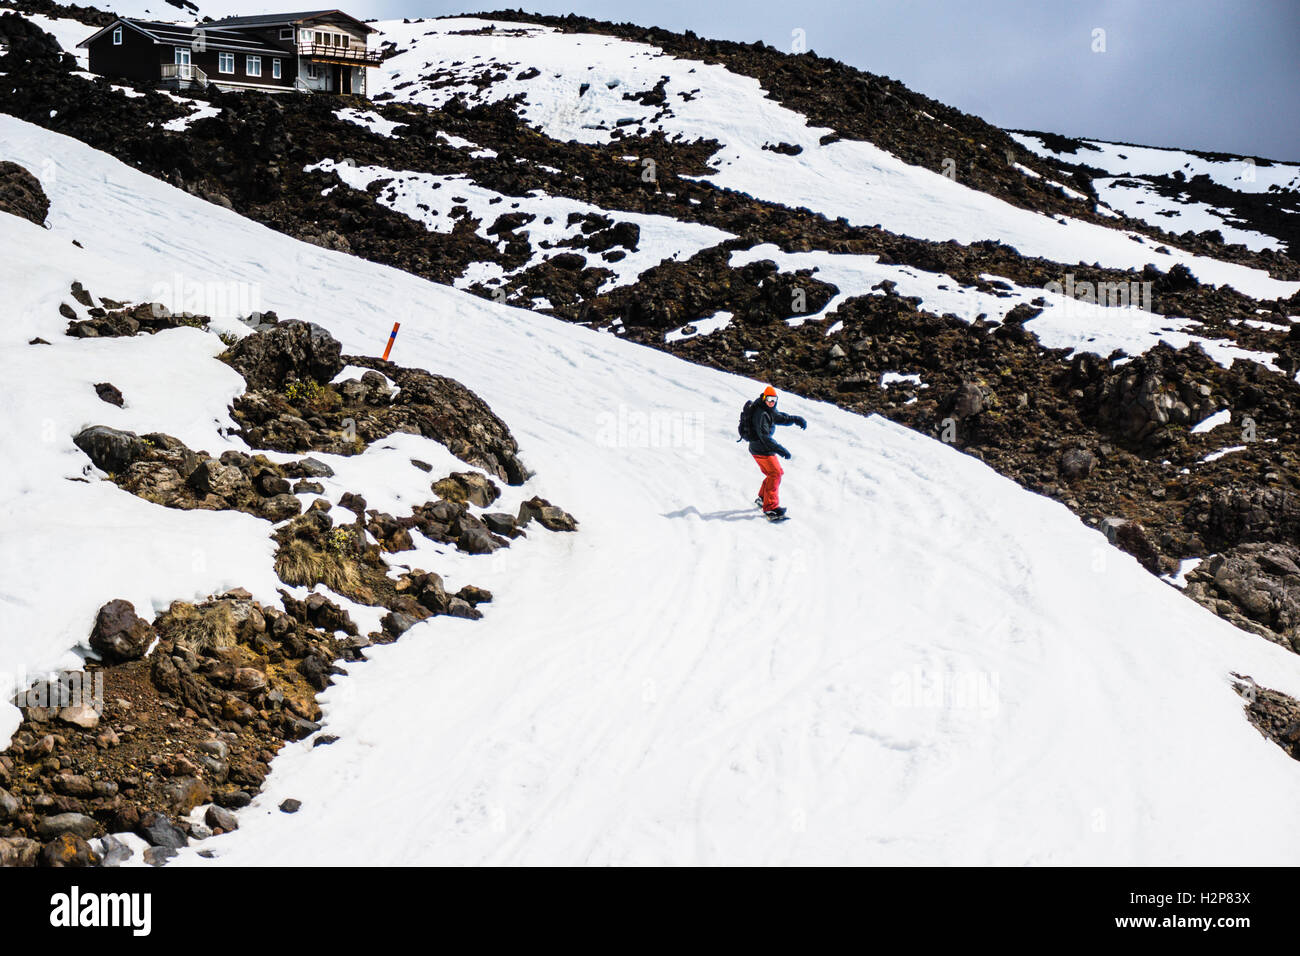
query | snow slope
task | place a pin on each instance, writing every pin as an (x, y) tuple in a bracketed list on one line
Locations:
[(736, 111), (927, 665), (1244, 175), (1125, 189)]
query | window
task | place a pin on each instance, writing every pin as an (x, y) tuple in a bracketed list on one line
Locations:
[(304, 36), (286, 33), (275, 69), (312, 72), (347, 40), (338, 40), (117, 36), (253, 65), (320, 38), (225, 63)]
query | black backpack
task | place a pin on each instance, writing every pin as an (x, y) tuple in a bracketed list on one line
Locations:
[(745, 428)]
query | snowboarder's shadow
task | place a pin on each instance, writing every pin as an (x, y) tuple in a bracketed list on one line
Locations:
[(740, 514)]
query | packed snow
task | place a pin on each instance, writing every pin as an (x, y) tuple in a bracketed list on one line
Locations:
[(370, 120), (1139, 200), (700, 327), (928, 664), (1221, 417)]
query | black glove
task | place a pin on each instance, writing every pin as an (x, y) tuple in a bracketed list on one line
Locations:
[(786, 455), (801, 423)]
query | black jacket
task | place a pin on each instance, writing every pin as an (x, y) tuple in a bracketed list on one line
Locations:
[(763, 421)]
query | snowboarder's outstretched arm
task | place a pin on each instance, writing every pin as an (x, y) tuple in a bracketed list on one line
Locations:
[(780, 418)]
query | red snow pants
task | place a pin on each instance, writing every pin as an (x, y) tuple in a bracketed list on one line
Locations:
[(770, 491)]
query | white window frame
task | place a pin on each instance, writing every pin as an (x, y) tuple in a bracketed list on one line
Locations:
[(313, 72), (222, 60), (117, 36), (275, 69), (304, 36), (249, 62), (286, 33)]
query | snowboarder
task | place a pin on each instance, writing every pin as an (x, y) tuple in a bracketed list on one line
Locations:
[(762, 421)]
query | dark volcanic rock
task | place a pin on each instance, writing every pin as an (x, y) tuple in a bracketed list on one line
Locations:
[(110, 393), (158, 830), (21, 194), (291, 351), (1260, 582), (110, 449), (119, 634)]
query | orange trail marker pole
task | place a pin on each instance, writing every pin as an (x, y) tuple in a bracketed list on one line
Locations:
[(391, 339)]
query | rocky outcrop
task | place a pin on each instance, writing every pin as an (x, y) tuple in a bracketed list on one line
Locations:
[(292, 404), (28, 42), (198, 721), (1272, 713), (1227, 516), (288, 352), (20, 192), (1256, 587), (1138, 400)]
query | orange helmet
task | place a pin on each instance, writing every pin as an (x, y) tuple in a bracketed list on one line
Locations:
[(769, 392)]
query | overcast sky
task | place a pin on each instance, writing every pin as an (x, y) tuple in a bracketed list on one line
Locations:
[(1207, 74)]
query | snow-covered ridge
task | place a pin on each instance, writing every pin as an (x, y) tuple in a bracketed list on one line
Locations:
[(431, 200), (1244, 174), (573, 88)]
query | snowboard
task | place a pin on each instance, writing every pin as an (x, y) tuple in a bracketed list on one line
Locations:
[(776, 518)]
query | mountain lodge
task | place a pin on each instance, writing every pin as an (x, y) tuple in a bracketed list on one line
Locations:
[(318, 51)]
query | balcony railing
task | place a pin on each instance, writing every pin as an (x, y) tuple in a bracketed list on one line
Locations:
[(184, 73), (354, 55)]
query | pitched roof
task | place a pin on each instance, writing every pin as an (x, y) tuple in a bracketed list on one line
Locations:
[(179, 34), (271, 19), (266, 19)]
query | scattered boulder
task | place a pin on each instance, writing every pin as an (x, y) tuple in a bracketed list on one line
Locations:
[(159, 831), (19, 851), (211, 477), (9, 806), (548, 515), (219, 818), (75, 823), (112, 851), (467, 487), (80, 715), (119, 634), (68, 849), (186, 793), (21, 194), (1076, 463), (968, 400), (110, 393), (290, 351), (111, 449)]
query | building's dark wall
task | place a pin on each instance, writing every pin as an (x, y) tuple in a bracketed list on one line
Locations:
[(133, 60)]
